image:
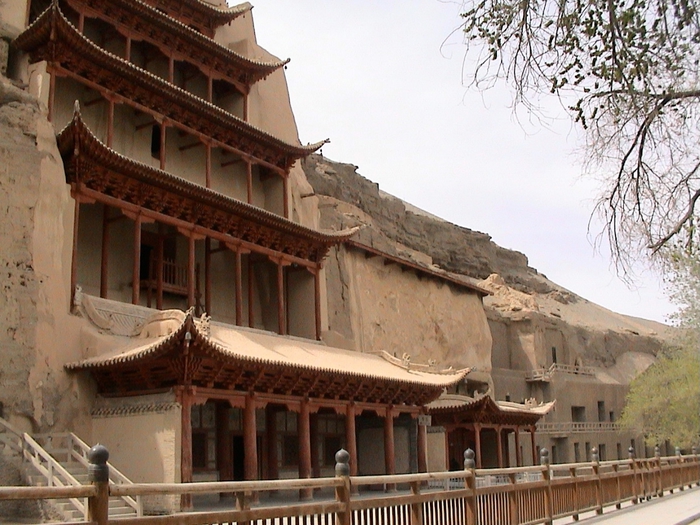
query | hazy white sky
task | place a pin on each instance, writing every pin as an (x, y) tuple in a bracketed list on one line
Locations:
[(383, 80)]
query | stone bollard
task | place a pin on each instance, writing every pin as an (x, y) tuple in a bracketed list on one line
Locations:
[(98, 475), (635, 484), (678, 451), (657, 451), (469, 463), (342, 493), (472, 515), (547, 475), (595, 457)]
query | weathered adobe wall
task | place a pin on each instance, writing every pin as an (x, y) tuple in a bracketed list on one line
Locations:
[(37, 335)]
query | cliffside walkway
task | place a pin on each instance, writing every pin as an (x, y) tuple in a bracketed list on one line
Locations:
[(681, 508)]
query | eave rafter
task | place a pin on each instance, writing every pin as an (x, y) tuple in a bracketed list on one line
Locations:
[(54, 39)]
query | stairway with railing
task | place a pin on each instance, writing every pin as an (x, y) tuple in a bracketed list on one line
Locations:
[(60, 460)]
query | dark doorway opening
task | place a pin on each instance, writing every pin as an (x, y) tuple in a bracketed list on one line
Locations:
[(238, 458)]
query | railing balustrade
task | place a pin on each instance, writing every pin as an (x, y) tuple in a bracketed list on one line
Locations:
[(545, 374), (518, 496), (569, 427)]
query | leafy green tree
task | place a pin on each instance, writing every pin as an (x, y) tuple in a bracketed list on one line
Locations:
[(664, 401), (628, 71)]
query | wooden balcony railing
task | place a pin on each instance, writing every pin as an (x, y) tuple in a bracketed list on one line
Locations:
[(571, 427), (545, 374), (518, 496), (170, 278)]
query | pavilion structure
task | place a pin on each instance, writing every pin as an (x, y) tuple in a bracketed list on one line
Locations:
[(237, 370), (469, 422)]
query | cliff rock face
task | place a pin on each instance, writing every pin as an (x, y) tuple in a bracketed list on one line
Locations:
[(35, 234), (528, 315)]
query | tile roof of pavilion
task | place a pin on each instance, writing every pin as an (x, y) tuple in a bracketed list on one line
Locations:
[(226, 357), (96, 167), (53, 38), (178, 39)]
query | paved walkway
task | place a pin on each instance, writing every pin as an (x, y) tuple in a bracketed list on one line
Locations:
[(679, 508)]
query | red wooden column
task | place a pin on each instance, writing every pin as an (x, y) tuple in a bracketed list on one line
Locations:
[(273, 471), (389, 453), (518, 455), (535, 459), (304, 431), (315, 463), (281, 303), (224, 458), (186, 395), (207, 275), (351, 438), (249, 180), (477, 443), (74, 257), (127, 49), (110, 122), (159, 268), (250, 438), (136, 267), (422, 445), (317, 300), (447, 449), (104, 273), (239, 288), (285, 195), (499, 445), (207, 168), (191, 273), (251, 293), (163, 144), (52, 94)]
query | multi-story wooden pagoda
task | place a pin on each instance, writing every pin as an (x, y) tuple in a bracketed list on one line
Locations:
[(183, 203)]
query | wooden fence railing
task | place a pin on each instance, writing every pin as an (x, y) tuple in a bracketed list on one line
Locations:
[(515, 496)]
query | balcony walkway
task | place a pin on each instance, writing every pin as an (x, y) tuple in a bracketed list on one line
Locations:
[(680, 508)]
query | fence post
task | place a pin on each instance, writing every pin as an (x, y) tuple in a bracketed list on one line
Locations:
[(470, 480), (659, 486), (417, 507), (98, 475), (595, 463), (694, 450), (513, 500), (577, 504), (635, 485), (342, 493), (547, 474)]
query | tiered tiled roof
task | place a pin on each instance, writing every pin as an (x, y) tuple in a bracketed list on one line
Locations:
[(455, 409), (230, 358), (134, 17), (201, 14), (54, 39), (94, 166)]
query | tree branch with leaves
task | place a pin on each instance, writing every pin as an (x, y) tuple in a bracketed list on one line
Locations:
[(628, 71)]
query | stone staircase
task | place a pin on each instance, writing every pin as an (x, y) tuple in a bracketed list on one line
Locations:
[(61, 460)]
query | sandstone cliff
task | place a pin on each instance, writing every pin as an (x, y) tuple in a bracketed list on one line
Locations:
[(527, 312)]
